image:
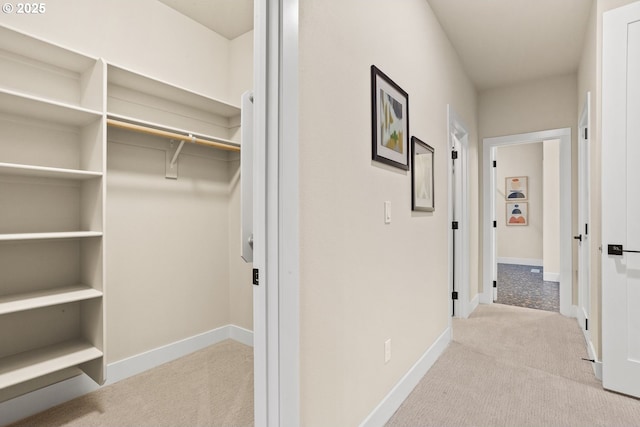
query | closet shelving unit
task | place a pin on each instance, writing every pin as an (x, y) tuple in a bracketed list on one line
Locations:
[(52, 190), (142, 104), (55, 108)]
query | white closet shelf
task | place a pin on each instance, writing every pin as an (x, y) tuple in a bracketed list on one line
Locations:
[(46, 298), (36, 363), (38, 50), (15, 169), (49, 236), (124, 78), (44, 109)]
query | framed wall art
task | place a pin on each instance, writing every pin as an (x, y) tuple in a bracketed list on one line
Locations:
[(390, 121), (517, 213), (422, 157), (516, 188)]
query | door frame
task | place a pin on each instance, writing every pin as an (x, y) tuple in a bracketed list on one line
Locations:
[(462, 306), (584, 191), (276, 217), (490, 146)]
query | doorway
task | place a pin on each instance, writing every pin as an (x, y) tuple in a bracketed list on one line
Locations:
[(528, 217), (490, 204)]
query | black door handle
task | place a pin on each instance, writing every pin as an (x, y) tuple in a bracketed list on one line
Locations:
[(578, 237), (618, 250)]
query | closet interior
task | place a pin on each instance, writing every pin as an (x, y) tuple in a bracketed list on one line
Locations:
[(118, 228)]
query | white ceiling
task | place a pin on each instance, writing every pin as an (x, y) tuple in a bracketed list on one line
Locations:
[(229, 18), (503, 42), (499, 42)]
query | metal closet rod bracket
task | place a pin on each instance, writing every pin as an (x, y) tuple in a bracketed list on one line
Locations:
[(172, 164)]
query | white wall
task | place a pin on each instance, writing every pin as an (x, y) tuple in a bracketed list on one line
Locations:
[(166, 244), (551, 210), (363, 282), (514, 244)]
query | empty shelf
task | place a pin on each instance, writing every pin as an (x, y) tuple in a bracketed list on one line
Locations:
[(31, 300), (49, 236), (33, 364), (46, 172), (44, 109)]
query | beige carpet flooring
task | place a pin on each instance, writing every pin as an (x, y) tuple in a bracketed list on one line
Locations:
[(211, 387), (512, 366)]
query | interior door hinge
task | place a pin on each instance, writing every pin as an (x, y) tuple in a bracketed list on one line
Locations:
[(495, 224), (256, 276), (454, 225), (586, 133), (495, 164), (454, 154), (454, 295), (586, 229), (495, 283), (586, 324)]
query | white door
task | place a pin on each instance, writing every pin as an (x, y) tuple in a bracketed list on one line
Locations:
[(456, 203), (584, 257), (621, 200)]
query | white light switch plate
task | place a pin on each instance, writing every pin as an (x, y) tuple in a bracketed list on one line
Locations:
[(387, 212)]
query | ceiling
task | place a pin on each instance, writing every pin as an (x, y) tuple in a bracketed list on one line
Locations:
[(503, 42), (229, 18), (500, 42)]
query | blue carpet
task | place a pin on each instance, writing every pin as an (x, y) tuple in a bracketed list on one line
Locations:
[(518, 286)]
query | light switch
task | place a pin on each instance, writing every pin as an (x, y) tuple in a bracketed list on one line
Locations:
[(387, 212)]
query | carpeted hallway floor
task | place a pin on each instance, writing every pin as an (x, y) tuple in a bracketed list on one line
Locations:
[(512, 366), (211, 387)]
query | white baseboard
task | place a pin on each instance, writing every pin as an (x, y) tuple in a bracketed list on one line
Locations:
[(473, 304), (392, 401), (39, 400), (520, 261), (551, 277)]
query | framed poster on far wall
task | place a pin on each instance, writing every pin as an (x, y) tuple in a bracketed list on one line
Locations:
[(516, 188), (517, 213), (390, 121)]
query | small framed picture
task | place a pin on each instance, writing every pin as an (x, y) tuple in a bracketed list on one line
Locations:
[(516, 188), (517, 213), (422, 188), (390, 121)]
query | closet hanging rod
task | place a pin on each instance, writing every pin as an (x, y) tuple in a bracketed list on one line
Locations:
[(171, 135)]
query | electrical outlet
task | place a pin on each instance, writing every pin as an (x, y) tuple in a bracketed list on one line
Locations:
[(387, 350)]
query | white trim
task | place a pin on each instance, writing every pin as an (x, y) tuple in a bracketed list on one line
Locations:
[(597, 365), (488, 241), (520, 261), (392, 401), (473, 304), (288, 213), (42, 399), (242, 335), (455, 125), (551, 277)]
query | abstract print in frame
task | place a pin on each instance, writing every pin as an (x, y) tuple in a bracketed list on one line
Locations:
[(516, 188), (422, 197), (517, 213), (390, 121)]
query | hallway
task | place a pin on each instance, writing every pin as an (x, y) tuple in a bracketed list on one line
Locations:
[(512, 366)]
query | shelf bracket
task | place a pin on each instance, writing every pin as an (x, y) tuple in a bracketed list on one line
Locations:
[(171, 168)]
